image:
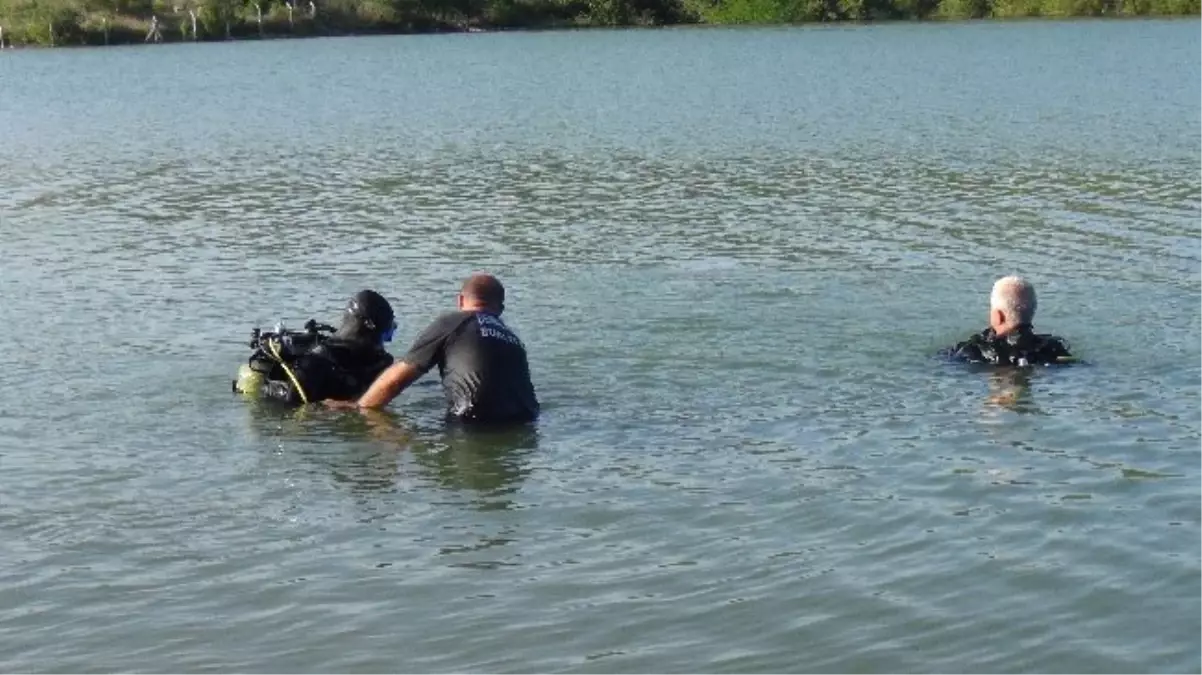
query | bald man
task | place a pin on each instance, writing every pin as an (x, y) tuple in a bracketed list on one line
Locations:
[(1010, 338), (482, 363)]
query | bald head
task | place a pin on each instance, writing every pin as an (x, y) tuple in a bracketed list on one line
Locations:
[(482, 291), (1011, 304)]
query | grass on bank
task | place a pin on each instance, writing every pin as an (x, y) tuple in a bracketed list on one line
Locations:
[(802, 11), (96, 22)]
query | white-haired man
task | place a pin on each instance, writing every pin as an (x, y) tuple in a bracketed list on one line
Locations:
[(1010, 339)]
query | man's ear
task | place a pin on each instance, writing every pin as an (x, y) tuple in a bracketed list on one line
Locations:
[(999, 317)]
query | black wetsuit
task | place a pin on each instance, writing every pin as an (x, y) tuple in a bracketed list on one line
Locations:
[(482, 363), (339, 368), (1023, 347)]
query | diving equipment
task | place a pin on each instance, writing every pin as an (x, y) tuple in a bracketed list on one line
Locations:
[(272, 354)]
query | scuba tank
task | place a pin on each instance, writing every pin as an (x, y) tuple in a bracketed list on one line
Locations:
[(274, 351)]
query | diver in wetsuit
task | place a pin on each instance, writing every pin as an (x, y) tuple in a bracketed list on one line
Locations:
[(482, 363), (342, 365), (1010, 339)]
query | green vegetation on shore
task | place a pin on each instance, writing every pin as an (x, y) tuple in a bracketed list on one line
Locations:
[(75, 22)]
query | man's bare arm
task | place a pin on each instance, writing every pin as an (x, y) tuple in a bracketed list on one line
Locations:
[(389, 384)]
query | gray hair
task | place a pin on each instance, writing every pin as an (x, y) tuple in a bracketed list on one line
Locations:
[(1015, 296)]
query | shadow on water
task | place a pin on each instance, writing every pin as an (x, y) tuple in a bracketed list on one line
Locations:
[(491, 463), (374, 451), (1010, 389)]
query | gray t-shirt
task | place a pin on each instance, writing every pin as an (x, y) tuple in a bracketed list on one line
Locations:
[(483, 367)]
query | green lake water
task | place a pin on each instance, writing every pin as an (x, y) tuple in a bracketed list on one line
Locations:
[(731, 254)]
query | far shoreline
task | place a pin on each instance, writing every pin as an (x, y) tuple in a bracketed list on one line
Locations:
[(91, 40)]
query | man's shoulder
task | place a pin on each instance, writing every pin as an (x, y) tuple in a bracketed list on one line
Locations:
[(1048, 338), (448, 322), (451, 317), (972, 349), (1051, 347), (440, 332)]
